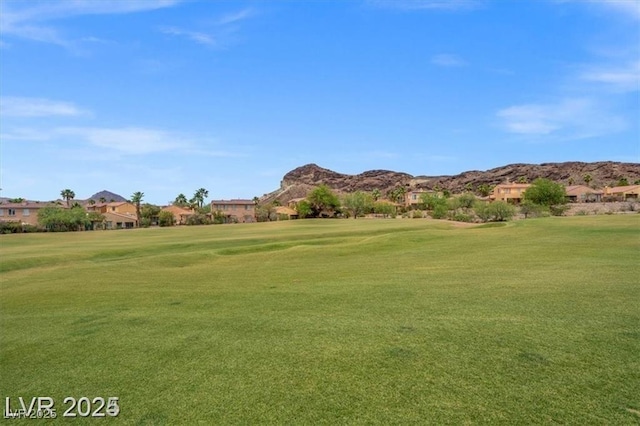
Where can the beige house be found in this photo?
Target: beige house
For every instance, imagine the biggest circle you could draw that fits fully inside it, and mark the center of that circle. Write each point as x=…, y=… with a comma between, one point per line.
x=180, y=214
x=122, y=207
x=509, y=192
x=242, y=211
x=583, y=194
x=119, y=220
x=623, y=192
x=25, y=212
x=413, y=198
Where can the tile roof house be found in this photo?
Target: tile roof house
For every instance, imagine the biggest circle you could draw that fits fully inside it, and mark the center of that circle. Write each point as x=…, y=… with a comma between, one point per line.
x=583, y=194
x=234, y=211
x=180, y=214
x=623, y=192
x=509, y=192
x=25, y=212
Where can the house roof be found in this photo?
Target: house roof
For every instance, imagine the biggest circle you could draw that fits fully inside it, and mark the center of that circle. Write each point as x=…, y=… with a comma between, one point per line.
x=581, y=189
x=286, y=210
x=31, y=205
x=233, y=202
x=626, y=188
x=178, y=210
x=119, y=216
x=513, y=185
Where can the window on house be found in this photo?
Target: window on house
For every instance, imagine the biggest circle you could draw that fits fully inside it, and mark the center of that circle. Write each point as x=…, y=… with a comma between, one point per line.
x=1, y=212
x=12, y=212
x=113, y=209
x=25, y=212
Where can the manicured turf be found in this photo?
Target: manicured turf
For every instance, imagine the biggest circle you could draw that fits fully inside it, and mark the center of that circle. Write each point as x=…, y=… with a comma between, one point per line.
x=331, y=322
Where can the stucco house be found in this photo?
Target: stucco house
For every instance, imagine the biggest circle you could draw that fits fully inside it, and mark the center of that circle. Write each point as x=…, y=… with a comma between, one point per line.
x=25, y=212
x=583, y=194
x=623, y=192
x=509, y=192
x=180, y=214
x=237, y=210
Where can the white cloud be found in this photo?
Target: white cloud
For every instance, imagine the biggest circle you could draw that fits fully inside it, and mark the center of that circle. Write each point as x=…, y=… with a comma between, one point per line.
x=28, y=19
x=629, y=8
x=198, y=37
x=11, y=106
x=127, y=140
x=448, y=60
x=570, y=118
x=447, y=5
x=237, y=16
x=622, y=78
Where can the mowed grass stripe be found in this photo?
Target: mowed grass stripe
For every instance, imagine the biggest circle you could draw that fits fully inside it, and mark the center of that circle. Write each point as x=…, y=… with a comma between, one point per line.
x=407, y=321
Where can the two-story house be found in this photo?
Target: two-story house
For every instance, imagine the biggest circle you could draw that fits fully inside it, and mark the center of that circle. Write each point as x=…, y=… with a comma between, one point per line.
x=242, y=211
x=25, y=212
x=509, y=192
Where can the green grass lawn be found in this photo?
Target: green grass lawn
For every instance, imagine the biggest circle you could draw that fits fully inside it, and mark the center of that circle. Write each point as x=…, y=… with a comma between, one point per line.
x=331, y=322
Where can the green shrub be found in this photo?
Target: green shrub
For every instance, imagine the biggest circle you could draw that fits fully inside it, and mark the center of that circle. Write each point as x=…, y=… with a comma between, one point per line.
x=558, y=210
x=462, y=217
x=439, y=211
x=145, y=222
x=417, y=214
x=166, y=218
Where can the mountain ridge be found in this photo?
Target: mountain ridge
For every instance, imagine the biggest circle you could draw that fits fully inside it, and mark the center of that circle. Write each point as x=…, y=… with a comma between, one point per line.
x=300, y=181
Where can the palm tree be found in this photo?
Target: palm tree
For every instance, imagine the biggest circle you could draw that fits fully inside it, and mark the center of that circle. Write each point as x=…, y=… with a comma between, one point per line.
x=136, y=198
x=68, y=194
x=102, y=200
x=180, y=200
x=200, y=195
x=587, y=178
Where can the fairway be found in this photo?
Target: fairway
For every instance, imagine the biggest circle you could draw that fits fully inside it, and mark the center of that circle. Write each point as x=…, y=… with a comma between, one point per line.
x=394, y=321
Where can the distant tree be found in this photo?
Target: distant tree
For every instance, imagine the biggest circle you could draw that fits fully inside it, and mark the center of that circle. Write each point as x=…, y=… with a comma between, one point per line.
x=430, y=201
x=522, y=179
x=57, y=219
x=304, y=209
x=358, y=203
x=468, y=187
x=497, y=211
x=546, y=192
x=199, y=197
x=501, y=211
x=68, y=195
x=266, y=212
x=623, y=182
x=180, y=201
x=587, y=178
x=397, y=194
x=149, y=213
x=16, y=200
x=323, y=201
x=385, y=209
x=571, y=181
x=91, y=201
x=484, y=190
x=467, y=200
x=102, y=200
x=165, y=218
x=376, y=194
x=136, y=199
x=636, y=182
x=529, y=208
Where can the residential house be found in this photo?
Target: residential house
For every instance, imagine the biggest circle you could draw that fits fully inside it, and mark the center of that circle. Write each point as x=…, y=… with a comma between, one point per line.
x=583, y=194
x=25, y=212
x=282, y=211
x=293, y=203
x=114, y=220
x=122, y=207
x=509, y=192
x=242, y=211
x=626, y=192
x=413, y=198
x=180, y=214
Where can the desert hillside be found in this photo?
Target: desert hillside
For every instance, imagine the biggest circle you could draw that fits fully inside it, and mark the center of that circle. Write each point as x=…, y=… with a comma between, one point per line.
x=298, y=182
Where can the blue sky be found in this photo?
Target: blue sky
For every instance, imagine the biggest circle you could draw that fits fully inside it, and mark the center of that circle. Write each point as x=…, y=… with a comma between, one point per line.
x=167, y=96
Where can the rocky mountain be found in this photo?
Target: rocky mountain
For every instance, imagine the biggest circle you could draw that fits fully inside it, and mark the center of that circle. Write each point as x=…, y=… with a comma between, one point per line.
x=107, y=195
x=298, y=182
